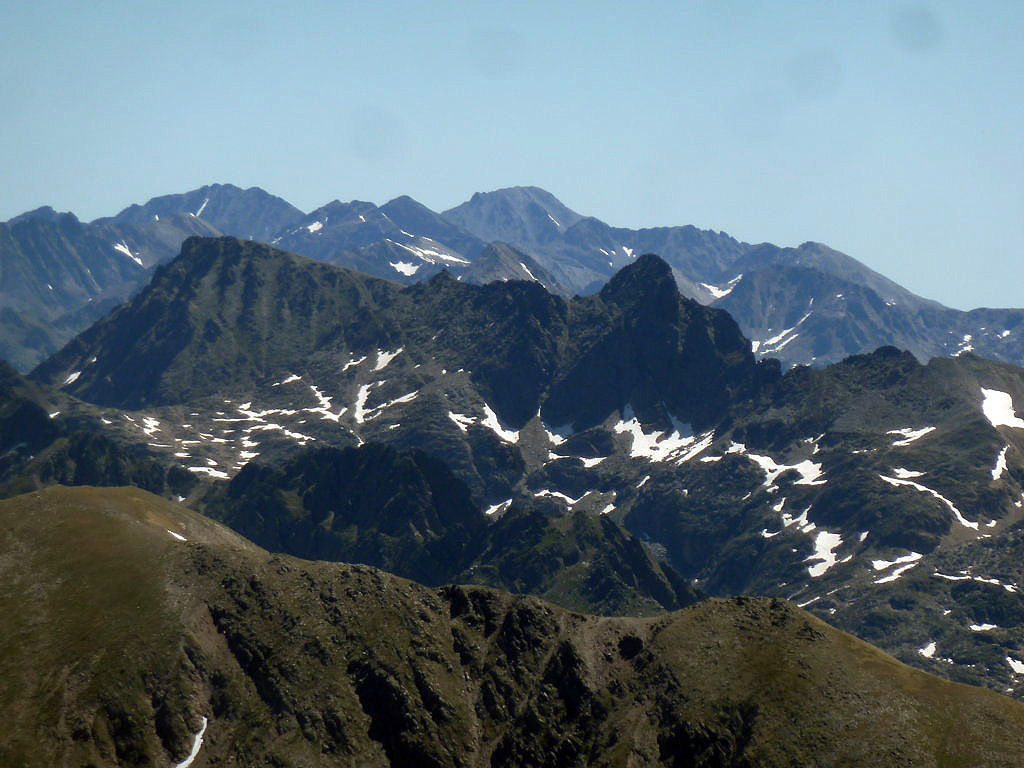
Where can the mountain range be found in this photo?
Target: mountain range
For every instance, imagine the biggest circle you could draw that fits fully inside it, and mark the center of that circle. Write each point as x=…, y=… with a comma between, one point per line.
x=804, y=305
x=241, y=460
x=620, y=452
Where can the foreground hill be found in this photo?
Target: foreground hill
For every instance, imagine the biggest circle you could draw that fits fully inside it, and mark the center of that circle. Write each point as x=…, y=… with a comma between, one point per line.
x=140, y=633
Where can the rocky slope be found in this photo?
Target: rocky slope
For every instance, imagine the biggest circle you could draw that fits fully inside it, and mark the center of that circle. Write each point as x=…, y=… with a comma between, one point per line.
x=43, y=443
x=177, y=640
x=58, y=275
x=407, y=513
x=635, y=404
x=404, y=511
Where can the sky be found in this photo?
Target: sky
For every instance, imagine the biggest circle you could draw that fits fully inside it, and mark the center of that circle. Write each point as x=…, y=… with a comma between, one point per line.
x=890, y=130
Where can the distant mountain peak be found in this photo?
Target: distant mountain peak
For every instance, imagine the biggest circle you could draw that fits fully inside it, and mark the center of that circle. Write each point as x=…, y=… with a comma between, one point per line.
x=527, y=217
x=250, y=213
x=45, y=213
x=522, y=195
x=403, y=200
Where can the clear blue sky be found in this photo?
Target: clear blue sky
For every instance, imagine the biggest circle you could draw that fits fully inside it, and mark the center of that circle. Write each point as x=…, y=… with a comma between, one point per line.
x=890, y=130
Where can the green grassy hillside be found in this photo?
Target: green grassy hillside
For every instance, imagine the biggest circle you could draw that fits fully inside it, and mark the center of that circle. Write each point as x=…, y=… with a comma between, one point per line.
x=120, y=638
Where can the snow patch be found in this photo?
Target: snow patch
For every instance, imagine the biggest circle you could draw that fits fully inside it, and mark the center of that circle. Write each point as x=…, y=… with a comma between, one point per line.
x=906, y=474
x=122, y=247
x=1000, y=467
x=406, y=268
x=928, y=651
x=1016, y=665
x=197, y=742
x=780, y=340
x=809, y=471
x=72, y=378
x=801, y=522
x=965, y=345
x=383, y=358
x=461, y=420
x=964, y=576
x=178, y=536
x=316, y=226
x=430, y=255
x=526, y=269
x=209, y=471
x=492, y=422
x=352, y=363
x=909, y=435
x=325, y=406
x=372, y=413
x=905, y=563
x=983, y=627
x=359, y=410
x=998, y=409
x=559, y=495
x=495, y=509
x=825, y=545
x=289, y=380
x=557, y=435
x=917, y=486
x=661, y=446
x=715, y=291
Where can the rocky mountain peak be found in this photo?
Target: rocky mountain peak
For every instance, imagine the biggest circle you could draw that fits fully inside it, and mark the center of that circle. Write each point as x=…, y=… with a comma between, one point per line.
x=648, y=279
x=45, y=213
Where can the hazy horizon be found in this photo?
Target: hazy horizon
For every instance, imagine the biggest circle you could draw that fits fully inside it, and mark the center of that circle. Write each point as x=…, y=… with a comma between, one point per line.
x=887, y=130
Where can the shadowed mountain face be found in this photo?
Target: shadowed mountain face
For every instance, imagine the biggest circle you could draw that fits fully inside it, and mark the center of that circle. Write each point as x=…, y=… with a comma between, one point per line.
x=407, y=513
x=194, y=642
x=228, y=313
x=404, y=512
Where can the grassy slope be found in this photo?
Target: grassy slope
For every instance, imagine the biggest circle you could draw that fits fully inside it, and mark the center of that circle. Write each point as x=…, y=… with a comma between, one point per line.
x=118, y=638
